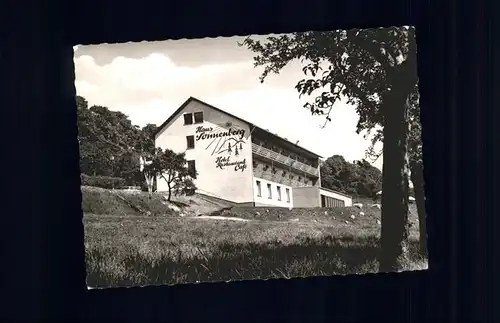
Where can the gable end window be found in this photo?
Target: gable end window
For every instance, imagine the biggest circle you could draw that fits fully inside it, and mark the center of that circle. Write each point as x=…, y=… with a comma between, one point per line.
x=188, y=118
x=198, y=117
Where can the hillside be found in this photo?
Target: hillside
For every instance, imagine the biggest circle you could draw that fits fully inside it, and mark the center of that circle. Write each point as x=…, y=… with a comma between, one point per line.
x=366, y=218
x=126, y=248
x=101, y=201
x=98, y=201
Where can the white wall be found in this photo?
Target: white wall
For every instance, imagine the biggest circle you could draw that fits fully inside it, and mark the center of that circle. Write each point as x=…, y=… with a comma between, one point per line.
x=311, y=196
x=231, y=182
x=307, y=197
x=339, y=196
x=264, y=200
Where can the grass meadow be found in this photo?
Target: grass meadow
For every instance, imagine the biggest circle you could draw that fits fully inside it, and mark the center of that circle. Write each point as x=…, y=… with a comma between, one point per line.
x=123, y=250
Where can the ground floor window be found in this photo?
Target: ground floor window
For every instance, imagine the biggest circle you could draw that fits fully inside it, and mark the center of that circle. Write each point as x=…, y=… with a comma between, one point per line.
x=259, y=189
x=191, y=168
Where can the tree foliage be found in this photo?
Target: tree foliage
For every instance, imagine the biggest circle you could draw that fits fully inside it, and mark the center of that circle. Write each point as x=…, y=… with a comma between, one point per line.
x=361, y=65
x=359, y=178
x=375, y=70
x=171, y=167
x=110, y=145
x=107, y=141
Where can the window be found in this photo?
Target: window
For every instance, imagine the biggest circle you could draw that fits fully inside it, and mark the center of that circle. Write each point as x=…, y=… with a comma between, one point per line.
x=287, y=192
x=259, y=189
x=278, y=190
x=190, y=142
x=188, y=118
x=192, y=168
x=269, y=191
x=327, y=201
x=198, y=117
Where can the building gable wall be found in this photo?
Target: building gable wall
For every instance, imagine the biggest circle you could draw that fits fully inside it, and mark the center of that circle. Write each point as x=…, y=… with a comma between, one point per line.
x=222, y=152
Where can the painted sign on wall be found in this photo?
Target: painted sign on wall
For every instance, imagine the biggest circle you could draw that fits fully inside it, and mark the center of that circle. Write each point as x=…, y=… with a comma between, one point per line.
x=224, y=143
x=223, y=162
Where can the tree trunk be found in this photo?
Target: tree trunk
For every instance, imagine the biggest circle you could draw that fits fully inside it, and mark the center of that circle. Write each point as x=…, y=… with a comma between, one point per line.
x=394, y=233
x=149, y=182
x=169, y=192
x=150, y=189
x=417, y=178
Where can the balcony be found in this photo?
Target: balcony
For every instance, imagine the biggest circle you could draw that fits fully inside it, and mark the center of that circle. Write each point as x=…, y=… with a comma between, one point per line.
x=284, y=160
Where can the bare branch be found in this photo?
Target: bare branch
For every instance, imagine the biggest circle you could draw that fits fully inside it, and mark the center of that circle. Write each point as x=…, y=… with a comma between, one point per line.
x=375, y=156
x=337, y=97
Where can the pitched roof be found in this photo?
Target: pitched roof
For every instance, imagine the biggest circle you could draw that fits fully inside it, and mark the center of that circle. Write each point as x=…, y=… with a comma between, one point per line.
x=190, y=99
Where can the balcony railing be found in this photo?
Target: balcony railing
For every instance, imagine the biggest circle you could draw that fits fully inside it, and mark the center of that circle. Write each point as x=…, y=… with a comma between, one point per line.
x=285, y=160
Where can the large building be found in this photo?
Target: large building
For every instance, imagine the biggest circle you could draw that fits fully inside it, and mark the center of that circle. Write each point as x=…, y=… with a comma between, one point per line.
x=237, y=161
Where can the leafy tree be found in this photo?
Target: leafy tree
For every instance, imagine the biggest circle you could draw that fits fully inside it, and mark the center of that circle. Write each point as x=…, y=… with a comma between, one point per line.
x=359, y=178
x=128, y=168
x=110, y=145
x=81, y=105
x=171, y=167
x=369, y=180
x=148, y=137
x=87, y=150
x=330, y=173
x=101, y=140
x=375, y=69
x=145, y=147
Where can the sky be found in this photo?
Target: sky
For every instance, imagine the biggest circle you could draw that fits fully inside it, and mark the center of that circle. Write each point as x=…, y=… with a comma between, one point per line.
x=148, y=81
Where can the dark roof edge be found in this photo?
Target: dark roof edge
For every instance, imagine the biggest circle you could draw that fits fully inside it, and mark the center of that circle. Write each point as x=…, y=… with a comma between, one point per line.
x=287, y=141
x=336, y=192
x=173, y=115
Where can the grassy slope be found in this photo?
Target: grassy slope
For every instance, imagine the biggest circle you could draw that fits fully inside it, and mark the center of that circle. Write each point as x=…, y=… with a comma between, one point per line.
x=125, y=250
x=108, y=202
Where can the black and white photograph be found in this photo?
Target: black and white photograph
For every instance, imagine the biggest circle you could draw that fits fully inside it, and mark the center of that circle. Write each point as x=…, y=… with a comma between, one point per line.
x=251, y=157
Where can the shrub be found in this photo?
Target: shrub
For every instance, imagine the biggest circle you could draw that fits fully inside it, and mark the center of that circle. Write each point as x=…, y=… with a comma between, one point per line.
x=103, y=181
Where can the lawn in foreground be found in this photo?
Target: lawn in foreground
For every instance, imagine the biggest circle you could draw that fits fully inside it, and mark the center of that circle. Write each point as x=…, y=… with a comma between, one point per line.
x=131, y=251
